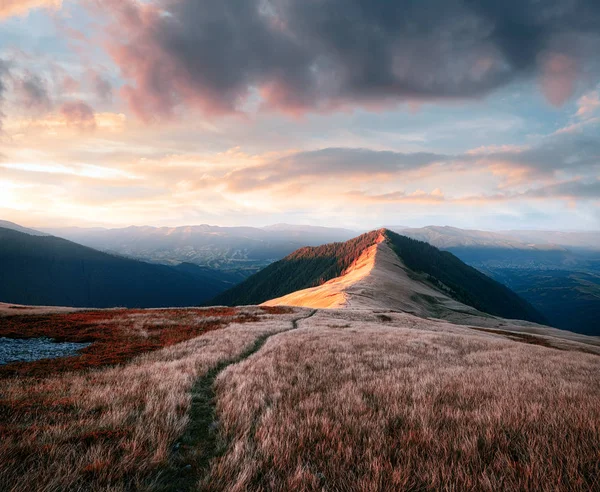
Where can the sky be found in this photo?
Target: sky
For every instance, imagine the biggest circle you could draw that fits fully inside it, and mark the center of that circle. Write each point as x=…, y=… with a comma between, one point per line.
x=348, y=113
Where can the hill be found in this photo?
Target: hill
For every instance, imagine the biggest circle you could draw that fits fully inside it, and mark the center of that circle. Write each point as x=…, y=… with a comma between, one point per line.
x=5, y=224
x=306, y=267
x=558, y=273
x=46, y=270
x=388, y=269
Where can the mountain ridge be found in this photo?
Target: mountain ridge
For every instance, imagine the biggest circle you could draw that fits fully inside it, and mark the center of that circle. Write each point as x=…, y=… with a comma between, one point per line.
x=320, y=277
x=46, y=270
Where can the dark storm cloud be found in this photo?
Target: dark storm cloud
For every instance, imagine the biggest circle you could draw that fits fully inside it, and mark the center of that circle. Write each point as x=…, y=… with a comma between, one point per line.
x=320, y=54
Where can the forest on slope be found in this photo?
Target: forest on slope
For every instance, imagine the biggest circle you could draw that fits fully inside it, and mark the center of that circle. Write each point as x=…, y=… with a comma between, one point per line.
x=304, y=268
x=46, y=270
x=461, y=281
x=309, y=267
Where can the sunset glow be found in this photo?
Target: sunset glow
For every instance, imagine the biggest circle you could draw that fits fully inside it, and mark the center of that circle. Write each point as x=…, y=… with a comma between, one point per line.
x=120, y=112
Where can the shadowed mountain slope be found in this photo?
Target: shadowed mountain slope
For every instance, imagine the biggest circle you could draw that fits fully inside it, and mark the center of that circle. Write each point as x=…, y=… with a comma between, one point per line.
x=46, y=270
x=558, y=273
x=5, y=224
x=306, y=267
x=380, y=269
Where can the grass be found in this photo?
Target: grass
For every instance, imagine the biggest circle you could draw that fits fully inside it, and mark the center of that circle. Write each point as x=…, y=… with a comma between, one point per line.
x=200, y=444
x=99, y=427
x=416, y=405
x=116, y=335
x=350, y=400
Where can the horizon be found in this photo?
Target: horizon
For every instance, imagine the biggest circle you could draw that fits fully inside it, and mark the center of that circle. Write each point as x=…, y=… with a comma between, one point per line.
x=299, y=245
x=264, y=226
x=118, y=113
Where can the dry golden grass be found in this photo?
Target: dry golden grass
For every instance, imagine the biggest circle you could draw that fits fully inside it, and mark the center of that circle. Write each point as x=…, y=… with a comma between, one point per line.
x=112, y=428
x=352, y=402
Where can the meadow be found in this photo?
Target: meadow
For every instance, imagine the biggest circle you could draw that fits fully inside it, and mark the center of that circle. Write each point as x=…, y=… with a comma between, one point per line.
x=108, y=419
x=257, y=398
x=395, y=403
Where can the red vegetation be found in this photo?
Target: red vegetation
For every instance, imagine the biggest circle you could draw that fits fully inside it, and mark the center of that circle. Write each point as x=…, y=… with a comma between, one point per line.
x=116, y=336
x=277, y=309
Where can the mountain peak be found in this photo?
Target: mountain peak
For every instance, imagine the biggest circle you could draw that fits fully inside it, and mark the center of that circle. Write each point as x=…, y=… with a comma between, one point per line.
x=380, y=270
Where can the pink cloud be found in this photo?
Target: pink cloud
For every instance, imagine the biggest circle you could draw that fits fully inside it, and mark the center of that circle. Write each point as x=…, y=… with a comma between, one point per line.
x=588, y=104
x=9, y=8
x=79, y=115
x=215, y=56
x=69, y=85
x=558, y=78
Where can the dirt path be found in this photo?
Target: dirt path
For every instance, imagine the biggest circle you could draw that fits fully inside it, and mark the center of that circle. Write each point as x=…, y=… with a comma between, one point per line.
x=200, y=443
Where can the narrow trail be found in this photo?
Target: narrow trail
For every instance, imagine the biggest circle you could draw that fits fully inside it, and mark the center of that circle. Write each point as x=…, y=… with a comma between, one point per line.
x=200, y=443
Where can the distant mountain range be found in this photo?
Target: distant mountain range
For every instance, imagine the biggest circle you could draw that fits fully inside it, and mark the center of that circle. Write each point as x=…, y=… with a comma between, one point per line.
x=558, y=273
x=420, y=279
x=46, y=270
x=452, y=237
x=243, y=250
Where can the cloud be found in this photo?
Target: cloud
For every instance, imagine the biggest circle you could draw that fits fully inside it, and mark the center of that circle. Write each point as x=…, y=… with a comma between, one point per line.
x=559, y=77
x=33, y=92
x=571, y=190
x=9, y=8
x=4, y=74
x=303, y=55
x=418, y=196
x=102, y=86
x=337, y=163
x=568, y=190
x=571, y=154
x=588, y=104
x=78, y=114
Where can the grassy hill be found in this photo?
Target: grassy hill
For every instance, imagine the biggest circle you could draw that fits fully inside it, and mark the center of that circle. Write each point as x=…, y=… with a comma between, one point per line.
x=309, y=267
x=466, y=284
x=304, y=268
x=46, y=270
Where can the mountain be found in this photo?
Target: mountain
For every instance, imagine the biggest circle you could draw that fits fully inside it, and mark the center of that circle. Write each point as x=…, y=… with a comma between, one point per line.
x=568, y=239
x=556, y=272
x=5, y=224
x=569, y=299
x=46, y=270
x=446, y=237
x=243, y=250
x=382, y=270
